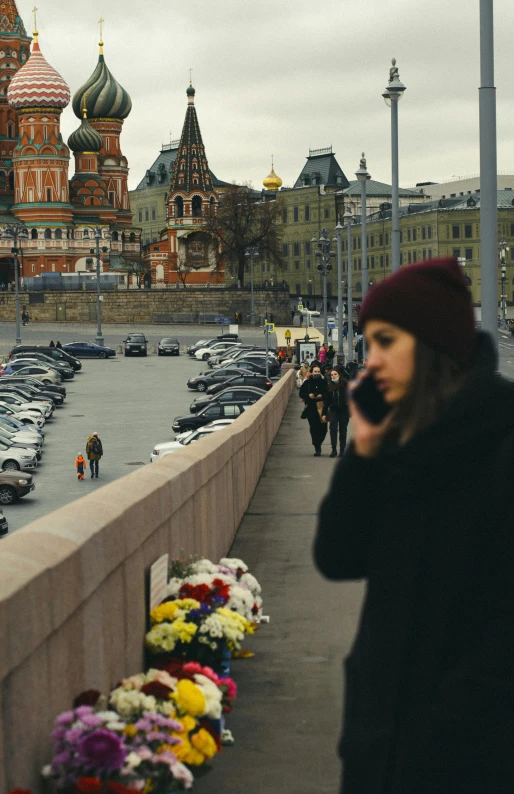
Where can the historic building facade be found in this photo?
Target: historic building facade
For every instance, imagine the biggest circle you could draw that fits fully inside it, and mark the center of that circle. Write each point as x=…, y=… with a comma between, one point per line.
x=35, y=188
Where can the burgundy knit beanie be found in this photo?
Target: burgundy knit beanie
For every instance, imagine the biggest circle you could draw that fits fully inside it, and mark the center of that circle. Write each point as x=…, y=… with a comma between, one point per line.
x=430, y=300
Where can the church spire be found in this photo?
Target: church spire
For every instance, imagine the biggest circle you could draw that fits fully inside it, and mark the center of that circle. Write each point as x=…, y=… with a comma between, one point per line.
x=10, y=20
x=191, y=170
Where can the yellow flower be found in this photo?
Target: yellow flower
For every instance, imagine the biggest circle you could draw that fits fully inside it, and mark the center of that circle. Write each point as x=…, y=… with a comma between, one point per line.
x=189, y=698
x=130, y=731
x=185, y=631
x=187, y=603
x=165, y=611
x=188, y=723
x=187, y=754
x=204, y=742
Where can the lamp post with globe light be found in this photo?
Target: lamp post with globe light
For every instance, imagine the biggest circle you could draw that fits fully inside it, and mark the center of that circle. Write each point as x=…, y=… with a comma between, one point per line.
x=251, y=252
x=392, y=95
x=15, y=232
x=324, y=256
x=348, y=218
x=503, y=250
x=340, y=347
x=97, y=233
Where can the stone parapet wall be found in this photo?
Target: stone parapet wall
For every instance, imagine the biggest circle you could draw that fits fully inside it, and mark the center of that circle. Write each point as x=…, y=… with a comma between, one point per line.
x=73, y=610
x=139, y=306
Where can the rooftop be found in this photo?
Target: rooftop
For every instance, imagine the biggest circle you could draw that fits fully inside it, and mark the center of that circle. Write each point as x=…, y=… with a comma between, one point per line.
x=380, y=189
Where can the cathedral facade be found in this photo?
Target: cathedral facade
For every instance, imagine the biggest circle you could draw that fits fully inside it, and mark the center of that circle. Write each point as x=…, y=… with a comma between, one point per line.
x=59, y=213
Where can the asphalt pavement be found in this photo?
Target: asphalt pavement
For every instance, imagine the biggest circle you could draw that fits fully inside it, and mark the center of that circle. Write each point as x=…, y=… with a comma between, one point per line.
x=131, y=402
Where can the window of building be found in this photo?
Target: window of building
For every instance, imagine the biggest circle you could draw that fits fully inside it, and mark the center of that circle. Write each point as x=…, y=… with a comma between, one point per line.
x=409, y=257
x=48, y=234
x=307, y=212
x=430, y=252
x=429, y=232
x=140, y=216
x=358, y=242
x=296, y=249
x=401, y=258
x=354, y=244
x=414, y=256
x=327, y=213
x=387, y=238
x=308, y=263
x=468, y=231
x=307, y=249
x=309, y=288
x=111, y=198
x=423, y=233
x=107, y=144
x=132, y=237
x=153, y=215
x=297, y=265
x=469, y=253
x=387, y=260
x=298, y=289
x=33, y=234
x=456, y=252
x=372, y=262
x=455, y=232
x=285, y=249
x=286, y=265
x=414, y=235
x=329, y=289
x=33, y=268
x=381, y=260
x=58, y=234
x=381, y=239
x=284, y=216
x=401, y=237
x=146, y=215
x=372, y=240
x=424, y=253
x=512, y=229
x=295, y=214
x=49, y=194
x=408, y=235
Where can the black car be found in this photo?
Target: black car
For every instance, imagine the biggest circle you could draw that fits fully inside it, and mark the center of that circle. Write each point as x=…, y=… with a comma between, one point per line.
x=24, y=394
x=48, y=388
x=55, y=353
x=135, y=344
x=205, y=379
x=36, y=392
x=39, y=359
x=259, y=364
x=240, y=394
x=168, y=347
x=250, y=379
x=183, y=424
x=89, y=350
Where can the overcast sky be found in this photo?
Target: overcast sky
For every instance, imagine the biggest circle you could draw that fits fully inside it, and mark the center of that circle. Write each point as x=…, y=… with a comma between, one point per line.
x=282, y=76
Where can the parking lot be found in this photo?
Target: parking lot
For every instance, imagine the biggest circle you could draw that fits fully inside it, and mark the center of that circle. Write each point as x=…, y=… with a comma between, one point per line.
x=131, y=402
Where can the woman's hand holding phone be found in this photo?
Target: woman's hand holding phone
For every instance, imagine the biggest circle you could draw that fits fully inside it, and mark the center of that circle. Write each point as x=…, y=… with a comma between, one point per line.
x=367, y=436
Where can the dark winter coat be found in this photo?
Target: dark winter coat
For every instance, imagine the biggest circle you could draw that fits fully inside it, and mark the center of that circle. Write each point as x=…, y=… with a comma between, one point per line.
x=429, y=705
x=317, y=386
x=89, y=448
x=335, y=398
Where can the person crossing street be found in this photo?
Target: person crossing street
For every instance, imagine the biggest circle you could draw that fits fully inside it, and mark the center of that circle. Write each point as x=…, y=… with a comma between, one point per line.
x=94, y=452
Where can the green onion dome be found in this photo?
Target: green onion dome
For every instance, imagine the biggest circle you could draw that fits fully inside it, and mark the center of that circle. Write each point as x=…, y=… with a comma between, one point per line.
x=105, y=97
x=85, y=139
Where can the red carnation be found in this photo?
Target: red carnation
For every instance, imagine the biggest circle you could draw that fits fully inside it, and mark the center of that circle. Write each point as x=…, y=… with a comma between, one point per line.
x=158, y=690
x=88, y=785
x=117, y=788
x=255, y=609
x=20, y=791
x=87, y=698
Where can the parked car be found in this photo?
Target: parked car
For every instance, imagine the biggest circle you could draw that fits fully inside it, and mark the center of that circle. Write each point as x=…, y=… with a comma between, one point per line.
x=14, y=485
x=168, y=347
x=249, y=379
x=44, y=374
x=66, y=370
x=89, y=350
x=9, y=421
x=161, y=450
x=49, y=388
x=4, y=527
x=28, y=417
x=9, y=398
x=33, y=391
x=55, y=353
x=205, y=379
x=207, y=342
x=135, y=344
x=25, y=437
x=230, y=354
x=208, y=414
x=204, y=353
x=243, y=394
x=25, y=395
x=13, y=443
x=16, y=458
x=256, y=365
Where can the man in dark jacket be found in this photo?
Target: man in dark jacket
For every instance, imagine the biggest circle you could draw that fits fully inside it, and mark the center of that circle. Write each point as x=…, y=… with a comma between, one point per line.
x=336, y=410
x=94, y=452
x=313, y=391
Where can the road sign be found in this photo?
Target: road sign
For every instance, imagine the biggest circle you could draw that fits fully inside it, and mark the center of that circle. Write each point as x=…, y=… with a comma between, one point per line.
x=270, y=328
x=300, y=307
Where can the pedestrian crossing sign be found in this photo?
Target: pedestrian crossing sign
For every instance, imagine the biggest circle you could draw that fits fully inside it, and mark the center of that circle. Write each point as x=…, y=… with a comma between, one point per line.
x=270, y=328
x=300, y=307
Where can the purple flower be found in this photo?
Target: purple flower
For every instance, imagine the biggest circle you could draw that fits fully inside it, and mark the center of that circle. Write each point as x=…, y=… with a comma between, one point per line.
x=65, y=718
x=74, y=735
x=58, y=733
x=143, y=725
x=63, y=758
x=102, y=751
x=83, y=711
x=91, y=721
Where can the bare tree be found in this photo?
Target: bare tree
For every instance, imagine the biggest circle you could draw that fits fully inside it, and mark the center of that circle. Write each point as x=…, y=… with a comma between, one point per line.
x=244, y=221
x=183, y=267
x=132, y=267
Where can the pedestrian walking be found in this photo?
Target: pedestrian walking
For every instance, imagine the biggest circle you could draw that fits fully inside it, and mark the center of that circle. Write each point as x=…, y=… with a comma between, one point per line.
x=322, y=354
x=427, y=522
x=287, y=337
x=80, y=465
x=336, y=411
x=52, y=343
x=58, y=344
x=312, y=392
x=25, y=317
x=94, y=452
x=330, y=355
x=289, y=353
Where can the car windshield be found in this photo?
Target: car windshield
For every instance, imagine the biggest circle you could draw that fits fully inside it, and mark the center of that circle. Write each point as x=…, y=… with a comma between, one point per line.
x=136, y=338
x=167, y=341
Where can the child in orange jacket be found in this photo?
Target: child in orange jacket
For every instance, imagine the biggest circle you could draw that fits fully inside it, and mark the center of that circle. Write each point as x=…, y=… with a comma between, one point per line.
x=80, y=465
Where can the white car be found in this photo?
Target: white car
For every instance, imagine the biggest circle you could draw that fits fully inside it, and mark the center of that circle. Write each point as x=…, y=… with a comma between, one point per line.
x=204, y=353
x=44, y=409
x=16, y=458
x=27, y=417
x=161, y=450
x=21, y=438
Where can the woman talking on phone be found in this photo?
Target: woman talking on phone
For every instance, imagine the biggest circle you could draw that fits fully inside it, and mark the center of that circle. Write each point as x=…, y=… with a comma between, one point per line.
x=428, y=522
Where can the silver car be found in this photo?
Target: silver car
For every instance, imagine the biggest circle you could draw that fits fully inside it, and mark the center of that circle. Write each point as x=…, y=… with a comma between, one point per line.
x=41, y=372
x=16, y=458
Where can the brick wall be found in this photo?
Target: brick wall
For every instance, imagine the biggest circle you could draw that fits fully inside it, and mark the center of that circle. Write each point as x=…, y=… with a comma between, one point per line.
x=138, y=306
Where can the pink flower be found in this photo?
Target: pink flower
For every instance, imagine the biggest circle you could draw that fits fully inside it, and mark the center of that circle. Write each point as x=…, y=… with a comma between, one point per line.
x=65, y=718
x=231, y=686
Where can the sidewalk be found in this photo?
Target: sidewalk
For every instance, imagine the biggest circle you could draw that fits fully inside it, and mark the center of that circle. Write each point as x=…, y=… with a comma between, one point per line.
x=287, y=717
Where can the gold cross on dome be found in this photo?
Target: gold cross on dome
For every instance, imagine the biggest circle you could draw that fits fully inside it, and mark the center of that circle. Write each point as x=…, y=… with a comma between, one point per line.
x=34, y=11
x=101, y=23
x=190, y=77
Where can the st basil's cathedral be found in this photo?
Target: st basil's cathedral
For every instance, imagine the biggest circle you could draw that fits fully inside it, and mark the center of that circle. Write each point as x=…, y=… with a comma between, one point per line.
x=35, y=188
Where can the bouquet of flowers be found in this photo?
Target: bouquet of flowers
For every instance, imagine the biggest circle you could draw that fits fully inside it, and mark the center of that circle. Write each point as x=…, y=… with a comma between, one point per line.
x=198, y=631
x=96, y=751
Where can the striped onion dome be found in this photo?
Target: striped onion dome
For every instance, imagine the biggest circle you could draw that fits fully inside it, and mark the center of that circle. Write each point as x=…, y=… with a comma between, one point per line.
x=37, y=85
x=105, y=97
x=85, y=139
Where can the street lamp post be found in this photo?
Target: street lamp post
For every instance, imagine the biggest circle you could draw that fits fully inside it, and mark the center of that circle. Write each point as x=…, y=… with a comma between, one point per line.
x=363, y=176
x=348, y=217
x=340, y=347
x=97, y=234
x=15, y=232
x=392, y=96
x=324, y=255
x=252, y=251
x=503, y=250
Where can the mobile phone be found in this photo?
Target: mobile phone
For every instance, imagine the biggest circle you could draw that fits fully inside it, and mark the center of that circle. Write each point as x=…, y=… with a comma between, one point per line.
x=370, y=401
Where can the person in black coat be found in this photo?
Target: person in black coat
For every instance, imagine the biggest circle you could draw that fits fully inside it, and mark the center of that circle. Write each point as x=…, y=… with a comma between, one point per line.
x=313, y=391
x=336, y=410
x=428, y=522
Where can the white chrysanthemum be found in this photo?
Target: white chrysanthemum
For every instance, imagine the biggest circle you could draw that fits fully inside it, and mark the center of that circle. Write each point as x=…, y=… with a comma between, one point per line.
x=174, y=586
x=241, y=601
x=251, y=583
x=204, y=566
x=131, y=704
x=212, y=695
x=233, y=563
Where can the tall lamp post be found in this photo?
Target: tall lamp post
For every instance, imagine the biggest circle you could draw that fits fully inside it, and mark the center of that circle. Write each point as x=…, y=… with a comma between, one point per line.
x=340, y=347
x=348, y=217
x=97, y=234
x=363, y=176
x=251, y=252
x=392, y=96
x=324, y=255
x=503, y=250
x=15, y=232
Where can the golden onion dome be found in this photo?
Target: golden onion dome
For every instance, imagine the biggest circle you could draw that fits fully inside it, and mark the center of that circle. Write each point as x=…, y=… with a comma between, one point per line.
x=272, y=181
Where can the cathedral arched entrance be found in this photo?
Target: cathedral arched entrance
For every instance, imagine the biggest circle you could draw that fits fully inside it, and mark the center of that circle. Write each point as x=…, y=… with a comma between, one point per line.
x=6, y=271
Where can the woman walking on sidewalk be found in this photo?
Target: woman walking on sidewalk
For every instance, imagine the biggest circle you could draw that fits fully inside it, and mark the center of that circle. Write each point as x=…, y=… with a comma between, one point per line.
x=428, y=522
x=313, y=391
x=336, y=411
